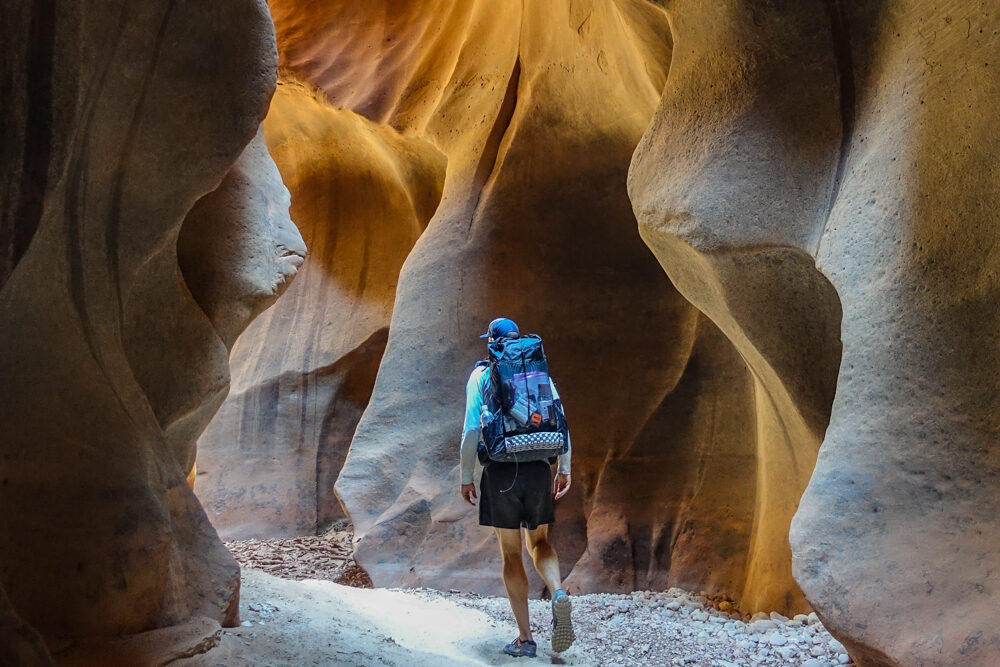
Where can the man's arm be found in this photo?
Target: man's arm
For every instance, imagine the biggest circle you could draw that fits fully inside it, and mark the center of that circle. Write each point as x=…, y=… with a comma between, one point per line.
x=561, y=483
x=470, y=433
x=566, y=459
x=470, y=440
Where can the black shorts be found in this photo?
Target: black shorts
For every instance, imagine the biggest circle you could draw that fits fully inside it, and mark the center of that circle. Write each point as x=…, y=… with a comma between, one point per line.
x=512, y=495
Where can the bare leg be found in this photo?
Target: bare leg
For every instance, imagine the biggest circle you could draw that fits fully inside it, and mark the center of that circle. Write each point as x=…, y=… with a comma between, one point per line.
x=544, y=557
x=547, y=564
x=514, y=578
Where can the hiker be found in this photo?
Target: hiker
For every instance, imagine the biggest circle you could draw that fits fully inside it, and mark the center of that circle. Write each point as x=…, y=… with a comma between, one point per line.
x=514, y=423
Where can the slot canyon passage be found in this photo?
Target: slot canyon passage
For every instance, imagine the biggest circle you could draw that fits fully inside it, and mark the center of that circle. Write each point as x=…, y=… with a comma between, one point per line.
x=249, y=248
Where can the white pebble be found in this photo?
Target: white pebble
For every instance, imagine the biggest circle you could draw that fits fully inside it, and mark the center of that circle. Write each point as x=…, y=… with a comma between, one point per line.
x=836, y=646
x=816, y=651
x=813, y=662
x=776, y=639
x=786, y=652
x=762, y=626
x=813, y=618
x=843, y=658
x=778, y=618
x=699, y=616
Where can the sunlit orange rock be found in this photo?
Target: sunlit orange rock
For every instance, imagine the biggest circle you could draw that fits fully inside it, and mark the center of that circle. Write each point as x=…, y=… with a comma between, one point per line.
x=538, y=113
x=303, y=372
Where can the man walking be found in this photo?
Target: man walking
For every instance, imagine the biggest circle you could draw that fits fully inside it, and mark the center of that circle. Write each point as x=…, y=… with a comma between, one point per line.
x=515, y=495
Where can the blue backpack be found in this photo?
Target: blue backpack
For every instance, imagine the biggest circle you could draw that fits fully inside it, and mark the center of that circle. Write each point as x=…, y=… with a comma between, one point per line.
x=522, y=420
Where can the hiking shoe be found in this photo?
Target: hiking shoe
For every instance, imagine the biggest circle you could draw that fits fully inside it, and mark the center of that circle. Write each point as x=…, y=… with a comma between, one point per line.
x=562, y=626
x=520, y=649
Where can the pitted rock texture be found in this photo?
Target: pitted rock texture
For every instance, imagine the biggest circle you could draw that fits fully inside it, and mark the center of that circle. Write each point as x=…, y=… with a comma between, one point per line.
x=825, y=181
x=303, y=372
x=124, y=115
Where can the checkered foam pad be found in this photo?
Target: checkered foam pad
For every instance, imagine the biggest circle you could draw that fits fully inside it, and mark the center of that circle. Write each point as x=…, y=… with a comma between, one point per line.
x=533, y=441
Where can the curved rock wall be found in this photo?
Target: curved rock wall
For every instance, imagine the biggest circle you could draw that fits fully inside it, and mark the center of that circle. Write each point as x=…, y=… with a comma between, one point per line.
x=841, y=159
x=124, y=116
x=728, y=185
x=819, y=180
x=551, y=243
x=655, y=392
x=904, y=496
x=538, y=241
x=303, y=372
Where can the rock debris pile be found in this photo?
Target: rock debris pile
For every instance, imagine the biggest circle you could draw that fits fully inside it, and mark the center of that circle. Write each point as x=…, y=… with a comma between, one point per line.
x=326, y=557
x=677, y=628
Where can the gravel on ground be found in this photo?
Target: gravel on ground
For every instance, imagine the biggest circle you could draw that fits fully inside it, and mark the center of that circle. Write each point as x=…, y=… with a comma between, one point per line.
x=404, y=626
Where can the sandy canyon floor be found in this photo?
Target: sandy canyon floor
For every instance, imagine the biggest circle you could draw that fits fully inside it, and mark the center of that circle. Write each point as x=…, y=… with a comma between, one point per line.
x=294, y=613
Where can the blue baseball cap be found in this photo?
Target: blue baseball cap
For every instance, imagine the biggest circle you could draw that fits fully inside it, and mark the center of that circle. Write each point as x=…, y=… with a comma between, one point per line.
x=501, y=327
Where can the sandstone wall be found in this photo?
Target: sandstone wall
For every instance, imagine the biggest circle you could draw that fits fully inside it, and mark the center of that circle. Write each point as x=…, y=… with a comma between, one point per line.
x=538, y=110
x=541, y=241
x=123, y=116
x=842, y=160
x=303, y=372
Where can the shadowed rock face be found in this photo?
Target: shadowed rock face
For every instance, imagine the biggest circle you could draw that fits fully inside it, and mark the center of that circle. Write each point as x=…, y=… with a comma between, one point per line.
x=124, y=115
x=20, y=644
x=825, y=171
x=303, y=372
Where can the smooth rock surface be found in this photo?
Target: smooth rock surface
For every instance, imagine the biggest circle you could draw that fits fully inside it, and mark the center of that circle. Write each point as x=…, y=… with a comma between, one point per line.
x=303, y=372
x=124, y=115
x=835, y=183
x=550, y=242
x=538, y=128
